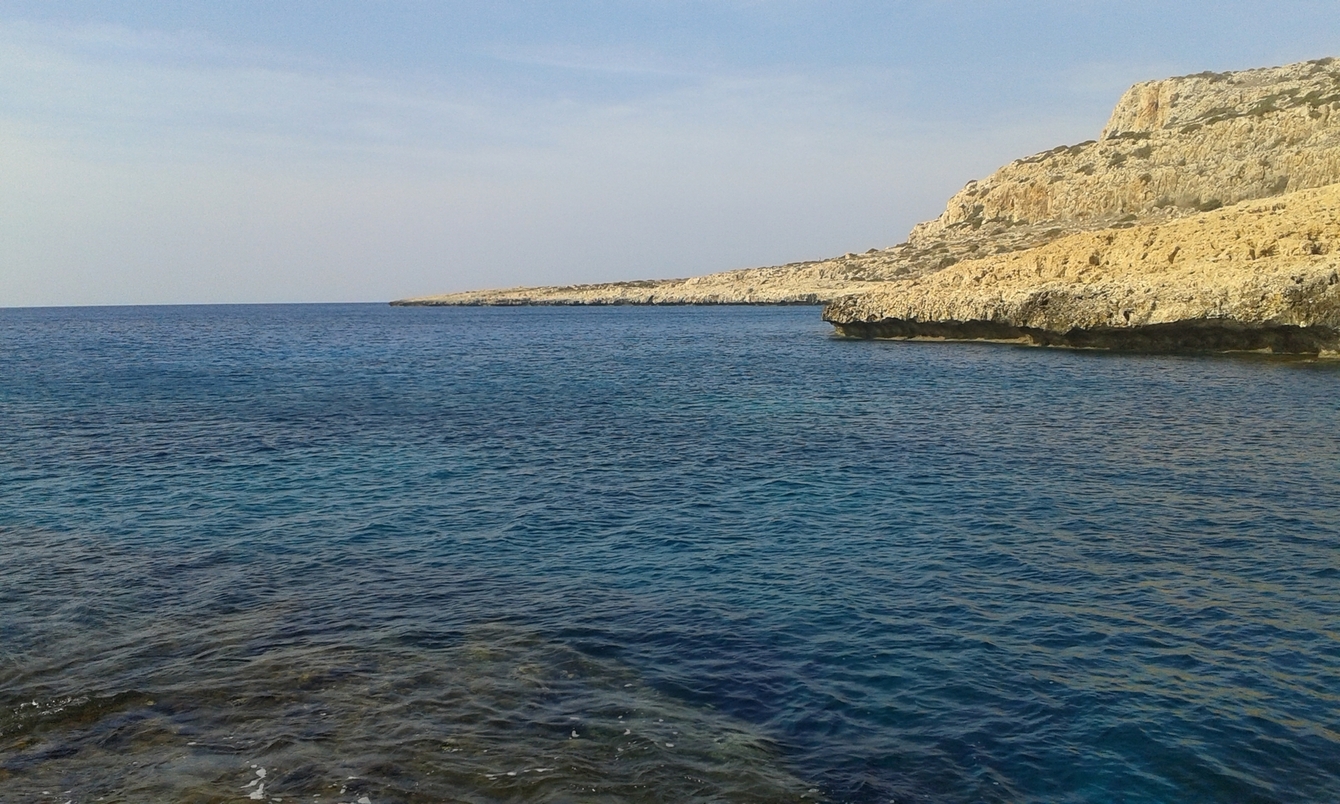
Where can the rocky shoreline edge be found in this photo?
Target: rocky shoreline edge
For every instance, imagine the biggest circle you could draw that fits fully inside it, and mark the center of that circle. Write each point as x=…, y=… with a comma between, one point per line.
x=810, y=300
x=1224, y=335
x=1205, y=218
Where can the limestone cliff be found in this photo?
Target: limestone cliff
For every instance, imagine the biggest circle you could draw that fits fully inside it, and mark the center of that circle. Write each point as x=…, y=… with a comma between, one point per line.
x=1261, y=275
x=1171, y=148
x=1011, y=254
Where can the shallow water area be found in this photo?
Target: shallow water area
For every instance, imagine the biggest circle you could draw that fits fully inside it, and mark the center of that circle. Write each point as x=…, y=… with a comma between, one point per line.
x=335, y=552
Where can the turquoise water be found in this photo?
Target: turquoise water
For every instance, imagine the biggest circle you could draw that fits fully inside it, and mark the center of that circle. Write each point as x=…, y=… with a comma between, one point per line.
x=332, y=553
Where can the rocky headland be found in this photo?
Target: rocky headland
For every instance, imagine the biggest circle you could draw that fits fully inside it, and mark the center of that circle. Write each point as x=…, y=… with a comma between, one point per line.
x=1260, y=275
x=1203, y=217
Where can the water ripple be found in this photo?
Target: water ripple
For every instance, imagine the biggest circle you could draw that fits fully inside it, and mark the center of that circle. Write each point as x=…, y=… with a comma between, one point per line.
x=354, y=552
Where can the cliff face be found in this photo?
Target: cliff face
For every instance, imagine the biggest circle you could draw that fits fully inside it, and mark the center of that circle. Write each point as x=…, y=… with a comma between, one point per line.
x=1171, y=148
x=1203, y=218
x=1258, y=275
x=1159, y=234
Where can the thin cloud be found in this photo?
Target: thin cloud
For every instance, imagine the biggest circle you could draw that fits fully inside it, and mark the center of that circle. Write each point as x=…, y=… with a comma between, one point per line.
x=137, y=172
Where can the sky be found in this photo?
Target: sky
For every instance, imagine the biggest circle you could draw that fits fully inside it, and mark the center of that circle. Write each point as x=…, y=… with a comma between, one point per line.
x=238, y=151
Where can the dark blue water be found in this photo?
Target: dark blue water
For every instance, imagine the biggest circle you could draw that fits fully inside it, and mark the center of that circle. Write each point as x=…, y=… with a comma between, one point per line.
x=331, y=553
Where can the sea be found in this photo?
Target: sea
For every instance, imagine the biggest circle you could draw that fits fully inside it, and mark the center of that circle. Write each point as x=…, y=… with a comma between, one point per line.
x=362, y=553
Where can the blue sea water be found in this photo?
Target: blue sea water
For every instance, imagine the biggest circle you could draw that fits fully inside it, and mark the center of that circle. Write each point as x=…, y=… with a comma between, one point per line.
x=339, y=553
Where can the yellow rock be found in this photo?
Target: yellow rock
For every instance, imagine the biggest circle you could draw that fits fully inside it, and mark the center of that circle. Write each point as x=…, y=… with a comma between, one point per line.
x=1204, y=216
x=1256, y=275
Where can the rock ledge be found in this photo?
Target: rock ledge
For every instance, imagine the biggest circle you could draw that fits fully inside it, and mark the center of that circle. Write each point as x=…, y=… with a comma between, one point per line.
x=1259, y=275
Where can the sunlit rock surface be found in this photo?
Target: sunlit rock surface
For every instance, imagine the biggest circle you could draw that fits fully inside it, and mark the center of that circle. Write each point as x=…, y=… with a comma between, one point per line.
x=1260, y=275
x=1072, y=246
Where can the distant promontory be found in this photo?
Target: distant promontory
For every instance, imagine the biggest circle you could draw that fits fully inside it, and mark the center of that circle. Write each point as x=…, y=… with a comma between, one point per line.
x=1206, y=216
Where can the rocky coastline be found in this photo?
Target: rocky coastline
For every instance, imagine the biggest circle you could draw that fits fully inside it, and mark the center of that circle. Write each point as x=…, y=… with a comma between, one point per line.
x=1203, y=218
x=1260, y=275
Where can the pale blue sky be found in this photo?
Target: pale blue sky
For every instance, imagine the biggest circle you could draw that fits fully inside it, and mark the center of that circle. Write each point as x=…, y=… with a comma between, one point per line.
x=322, y=151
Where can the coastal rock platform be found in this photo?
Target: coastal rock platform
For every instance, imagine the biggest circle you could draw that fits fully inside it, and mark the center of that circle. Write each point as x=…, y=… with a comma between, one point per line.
x=1259, y=275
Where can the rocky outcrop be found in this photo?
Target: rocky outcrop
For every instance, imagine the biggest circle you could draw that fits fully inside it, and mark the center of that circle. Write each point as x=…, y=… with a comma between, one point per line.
x=1156, y=234
x=798, y=283
x=1171, y=148
x=1260, y=275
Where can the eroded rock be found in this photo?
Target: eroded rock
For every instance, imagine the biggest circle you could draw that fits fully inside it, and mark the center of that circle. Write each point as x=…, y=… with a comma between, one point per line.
x=1256, y=275
x=1202, y=217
